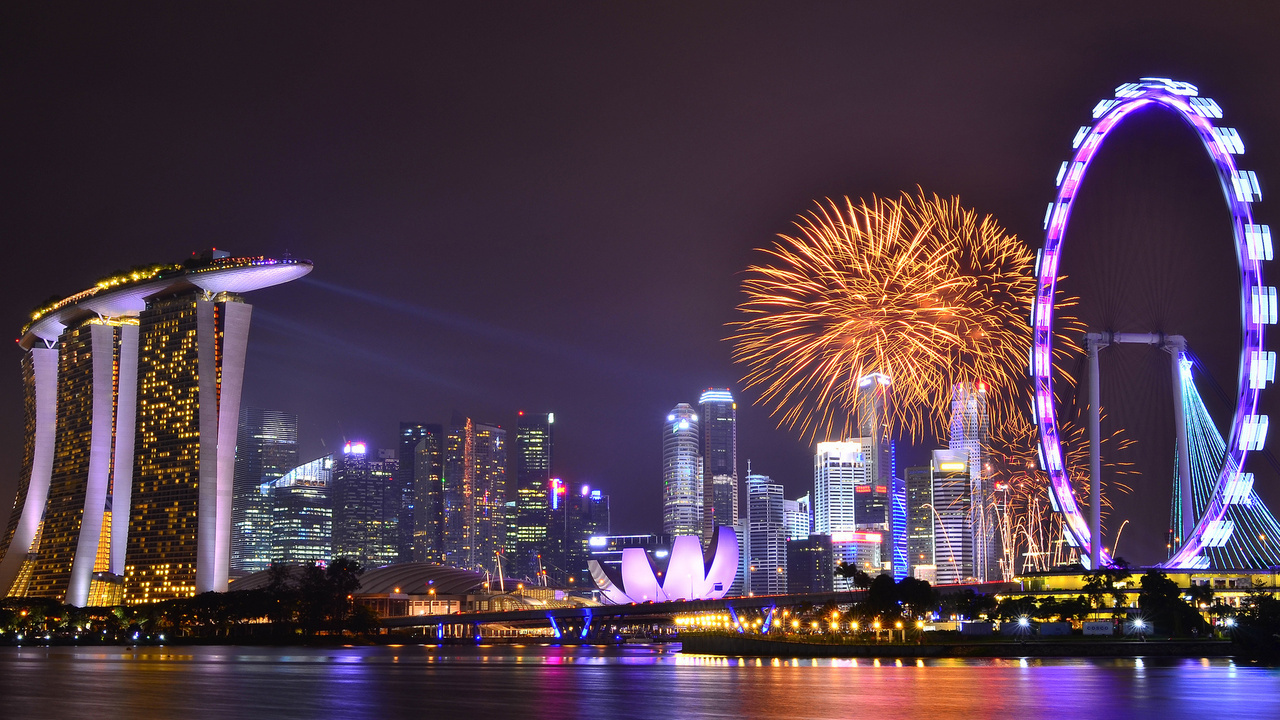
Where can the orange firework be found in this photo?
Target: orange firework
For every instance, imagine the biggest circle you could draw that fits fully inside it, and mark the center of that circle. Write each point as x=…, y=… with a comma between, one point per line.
x=918, y=288
x=1031, y=534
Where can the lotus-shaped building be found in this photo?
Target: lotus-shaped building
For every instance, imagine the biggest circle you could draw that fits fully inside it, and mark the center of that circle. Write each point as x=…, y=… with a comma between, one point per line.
x=687, y=573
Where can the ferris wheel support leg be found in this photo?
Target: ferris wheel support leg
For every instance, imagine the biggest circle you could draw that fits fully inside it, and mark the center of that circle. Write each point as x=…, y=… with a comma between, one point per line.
x=1093, y=343
x=1177, y=345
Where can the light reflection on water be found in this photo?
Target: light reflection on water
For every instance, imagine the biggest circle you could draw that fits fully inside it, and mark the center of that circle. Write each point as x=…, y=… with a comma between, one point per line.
x=638, y=681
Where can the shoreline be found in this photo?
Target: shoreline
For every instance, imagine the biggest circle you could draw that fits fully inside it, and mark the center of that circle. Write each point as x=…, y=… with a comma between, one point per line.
x=760, y=647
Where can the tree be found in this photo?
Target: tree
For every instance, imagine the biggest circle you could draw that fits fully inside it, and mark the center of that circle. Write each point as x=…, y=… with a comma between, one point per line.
x=1161, y=602
x=860, y=579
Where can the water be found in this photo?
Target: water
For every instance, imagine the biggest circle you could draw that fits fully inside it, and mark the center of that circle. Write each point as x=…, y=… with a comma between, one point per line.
x=630, y=682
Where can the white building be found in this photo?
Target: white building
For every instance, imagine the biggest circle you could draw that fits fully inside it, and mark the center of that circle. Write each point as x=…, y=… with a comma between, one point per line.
x=767, y=536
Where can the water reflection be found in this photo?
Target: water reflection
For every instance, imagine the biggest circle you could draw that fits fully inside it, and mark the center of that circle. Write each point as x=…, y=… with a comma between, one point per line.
x=628, y=682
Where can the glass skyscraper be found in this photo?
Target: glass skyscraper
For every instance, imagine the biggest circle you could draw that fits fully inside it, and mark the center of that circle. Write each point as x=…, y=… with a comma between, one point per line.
x=302, y=513
x=475, y=459
x=839, y=469
x=718, y=426
x=266, y=449
x=529, y=540
x=682, y=489
x=365, y=497
x=971, y=435
x=953, y=533
x=767, y=536
x=422, y=448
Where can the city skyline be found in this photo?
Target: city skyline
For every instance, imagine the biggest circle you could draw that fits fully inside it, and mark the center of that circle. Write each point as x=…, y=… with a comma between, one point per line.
x=473, y=257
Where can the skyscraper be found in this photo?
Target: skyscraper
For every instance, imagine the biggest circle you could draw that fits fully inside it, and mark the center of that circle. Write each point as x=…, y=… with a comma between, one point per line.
x=302, y=513
x=798, y=517
x=767, y=536
x=427, y=458
x=475, y=460
x=719, y=434
x=682, y=490
x=411, y=433
x=839, y=468
x=810, y=566
x=530, y=540
x=129, y=386
x=490, y=494
x=919, y=483
x=266, y=449
x=365, y=502
x=952, y=516
x=873, y=427
x=585, y=515
x=970, y=434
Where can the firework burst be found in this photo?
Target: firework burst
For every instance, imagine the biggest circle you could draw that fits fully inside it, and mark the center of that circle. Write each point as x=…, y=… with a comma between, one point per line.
x=1032, y=535
x=917, y=288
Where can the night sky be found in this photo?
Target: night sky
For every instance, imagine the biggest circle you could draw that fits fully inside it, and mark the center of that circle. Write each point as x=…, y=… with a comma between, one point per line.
x=549, y=207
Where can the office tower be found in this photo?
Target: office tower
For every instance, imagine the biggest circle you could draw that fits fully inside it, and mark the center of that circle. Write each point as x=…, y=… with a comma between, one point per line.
x=873, y=427
x=839, y=468
x=365, y=505
x=766, y=536
x=870, y=507
x=809, y=565
x=682, y=492
x=302, y=513
x=530, y=541
x=799, y=517
x=861, y=549
x=129, y=385
x=919, y=486
x=475, y=493
x=427, y=459
x=266, y=449
x=897, y=543
x=490, y=494
x=411, y=433
x=952, y=516
x=799, y=514
x=586, y=515
x=970, y=433
x=718, y=427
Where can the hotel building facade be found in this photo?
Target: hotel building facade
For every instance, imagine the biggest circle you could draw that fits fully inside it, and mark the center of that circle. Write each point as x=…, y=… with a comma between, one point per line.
x=132, y=400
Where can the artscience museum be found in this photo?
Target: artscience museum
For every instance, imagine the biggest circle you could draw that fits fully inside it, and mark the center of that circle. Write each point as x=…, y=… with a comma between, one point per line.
x=686, y=573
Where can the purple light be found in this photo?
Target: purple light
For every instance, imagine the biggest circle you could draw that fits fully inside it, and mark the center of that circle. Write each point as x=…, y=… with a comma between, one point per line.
x=1240, y=189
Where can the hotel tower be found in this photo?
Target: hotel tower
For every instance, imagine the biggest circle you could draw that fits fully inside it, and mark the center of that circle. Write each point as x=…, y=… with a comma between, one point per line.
x=132, y=399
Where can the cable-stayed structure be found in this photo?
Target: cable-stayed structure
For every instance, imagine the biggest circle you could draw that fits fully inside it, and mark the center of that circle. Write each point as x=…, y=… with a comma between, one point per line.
x=1249, y=534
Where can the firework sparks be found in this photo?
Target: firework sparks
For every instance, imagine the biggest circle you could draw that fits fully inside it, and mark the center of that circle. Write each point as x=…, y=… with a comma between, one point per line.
x=918, y=288
x=1032, y=535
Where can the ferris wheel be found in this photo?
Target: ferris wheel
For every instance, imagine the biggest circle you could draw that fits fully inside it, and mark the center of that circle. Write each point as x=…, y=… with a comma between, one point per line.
x=1258, y=308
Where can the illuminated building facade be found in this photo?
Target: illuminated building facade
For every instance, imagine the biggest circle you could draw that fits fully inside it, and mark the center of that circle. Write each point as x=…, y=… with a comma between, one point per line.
x=302, y=513
x=366, y=503
x=718, y=432
x=490, y=495
x=919, y=481
x=266, y=449
x=686, y=573
x=799, y=517
x=861, y=549
x=682, y=489
x=422, y=448
x=839, y=469
x=130, y=385
x=475, y=460
x=586, y=515
x=530, y=543
x=766, y=536
x=953, y=534
x=971, y=434
x=407, y=514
